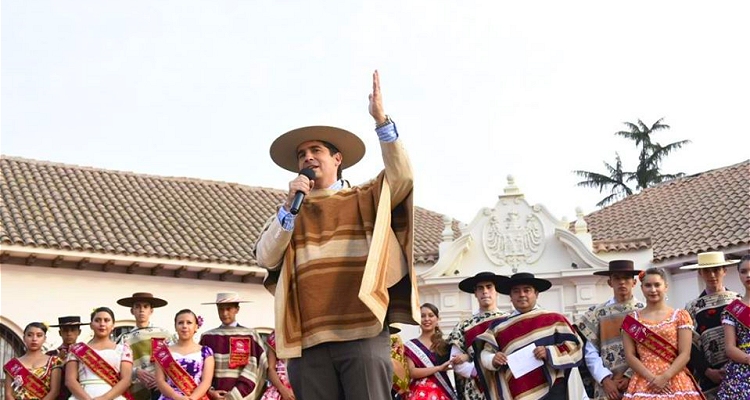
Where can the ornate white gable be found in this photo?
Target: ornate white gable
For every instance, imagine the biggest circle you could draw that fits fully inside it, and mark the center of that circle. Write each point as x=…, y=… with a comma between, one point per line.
x=514, y=236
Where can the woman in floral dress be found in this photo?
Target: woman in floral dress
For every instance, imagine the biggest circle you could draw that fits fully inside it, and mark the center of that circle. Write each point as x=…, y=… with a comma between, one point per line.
x=654, y=377
x=280, y=388
x=45, y=368
x=736, y=383
x=428, y=358
x=196, y=360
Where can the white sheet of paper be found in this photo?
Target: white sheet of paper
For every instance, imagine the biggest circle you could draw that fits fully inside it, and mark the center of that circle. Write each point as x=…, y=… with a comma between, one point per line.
x=522, y=361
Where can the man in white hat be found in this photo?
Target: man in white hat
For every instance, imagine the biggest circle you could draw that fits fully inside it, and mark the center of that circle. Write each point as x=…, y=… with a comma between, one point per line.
x=341, y=269
x=484, y=287
x=600, y=325
x=240, y=364
x=142, y=306
x=708, y=356
x=549, y=335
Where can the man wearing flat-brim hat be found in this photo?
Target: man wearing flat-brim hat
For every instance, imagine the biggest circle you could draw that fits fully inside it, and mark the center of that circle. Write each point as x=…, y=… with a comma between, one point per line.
x=483, y=286
x=240, y=363
x=142, y=305
x=70, y=329
x=340, y=262
x=600, y=326
x=708, y=357
x=553, y=340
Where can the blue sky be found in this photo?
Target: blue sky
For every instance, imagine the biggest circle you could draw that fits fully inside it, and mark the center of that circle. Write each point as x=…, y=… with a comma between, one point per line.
x=479, y=90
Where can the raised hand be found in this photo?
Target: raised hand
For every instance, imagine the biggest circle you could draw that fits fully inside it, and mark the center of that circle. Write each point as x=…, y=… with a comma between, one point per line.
x=376, y=100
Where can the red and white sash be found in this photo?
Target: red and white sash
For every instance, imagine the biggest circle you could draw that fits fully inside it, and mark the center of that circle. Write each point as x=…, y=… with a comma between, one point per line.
x=91, y=359
x=172, y=369
x=641, y=334
x=26, y=378
x=741, y=311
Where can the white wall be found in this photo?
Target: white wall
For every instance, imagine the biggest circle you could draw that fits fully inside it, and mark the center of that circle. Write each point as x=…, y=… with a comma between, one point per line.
x=43, y=294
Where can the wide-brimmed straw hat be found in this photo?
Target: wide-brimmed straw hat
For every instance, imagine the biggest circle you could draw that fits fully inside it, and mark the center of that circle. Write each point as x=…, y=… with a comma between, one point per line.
x=284, y=148
x=710, y=259
x=523, y=278
x=469, y=285
x=228, y=298
x=70, y=320
x=619, y=267
x=142, y=297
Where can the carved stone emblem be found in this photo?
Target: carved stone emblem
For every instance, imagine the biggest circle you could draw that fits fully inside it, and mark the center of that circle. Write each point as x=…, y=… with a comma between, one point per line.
x=514, y=240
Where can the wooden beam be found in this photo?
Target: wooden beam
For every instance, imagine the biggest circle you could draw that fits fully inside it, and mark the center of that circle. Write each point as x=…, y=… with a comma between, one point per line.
x=108, y=266
x=132, y=267
x=83, y=263
x=224, y=275
x=202, y=274
x=4, y=257
x=56, y=262
x=155, y=270
x=31, y=259
x=180, y=271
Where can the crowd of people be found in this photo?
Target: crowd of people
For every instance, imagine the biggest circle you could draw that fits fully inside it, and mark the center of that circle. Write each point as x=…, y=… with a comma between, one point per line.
x=340, y=269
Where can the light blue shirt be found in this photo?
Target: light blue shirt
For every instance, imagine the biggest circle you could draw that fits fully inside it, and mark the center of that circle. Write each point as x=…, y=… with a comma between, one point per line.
x=387, y=134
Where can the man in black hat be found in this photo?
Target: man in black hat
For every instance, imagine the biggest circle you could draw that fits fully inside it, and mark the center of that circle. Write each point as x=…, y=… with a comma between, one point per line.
x=70, y=329
x=552, y=339
x=484, y=287
x=340, y=262
x=139, y=339
x=600, y=326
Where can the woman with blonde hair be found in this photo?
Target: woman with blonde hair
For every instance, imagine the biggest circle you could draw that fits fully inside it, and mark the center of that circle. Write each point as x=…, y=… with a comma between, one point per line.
x=35, y=375
x=428, y=357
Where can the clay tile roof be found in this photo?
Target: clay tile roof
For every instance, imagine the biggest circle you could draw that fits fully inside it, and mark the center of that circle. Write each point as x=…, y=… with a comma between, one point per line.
x=68, y=207
x=698, y=213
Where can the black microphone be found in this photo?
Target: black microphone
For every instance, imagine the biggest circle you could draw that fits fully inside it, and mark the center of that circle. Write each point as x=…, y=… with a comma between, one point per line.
x=299, y=196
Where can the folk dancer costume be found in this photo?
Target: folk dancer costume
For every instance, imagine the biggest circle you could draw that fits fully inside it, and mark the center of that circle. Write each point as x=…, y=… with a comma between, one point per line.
x=655, y=343
x=708, y=332
x=434, y=387
x=600, y=327
x=183, y=372
x=342, y=269
x=31, y=384
x=736, y=383
x=240, y=364
x=140, y=341
x=564, y=349
x=62, y=351
x=272, y=393
x=99, y=370
x=462, y=338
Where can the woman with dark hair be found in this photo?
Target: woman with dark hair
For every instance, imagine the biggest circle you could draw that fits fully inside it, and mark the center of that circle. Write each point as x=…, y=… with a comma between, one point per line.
x=657, y=342
x=99, y=369
x=736, y=321
x=428, y=357
x=184, y=370
x=34, y=375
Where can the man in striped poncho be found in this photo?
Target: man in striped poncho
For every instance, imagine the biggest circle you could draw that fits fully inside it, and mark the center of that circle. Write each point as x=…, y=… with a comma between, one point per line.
x=554, y=344
x=341, y=270
x=240, y=363
x=142, y=306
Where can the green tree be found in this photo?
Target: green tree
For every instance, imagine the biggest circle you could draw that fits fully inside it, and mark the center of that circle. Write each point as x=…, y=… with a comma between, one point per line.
x=614, y=182
x=648, y=171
